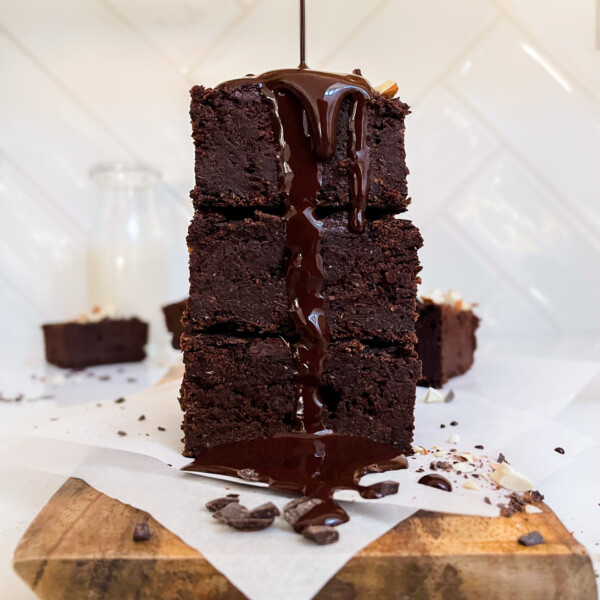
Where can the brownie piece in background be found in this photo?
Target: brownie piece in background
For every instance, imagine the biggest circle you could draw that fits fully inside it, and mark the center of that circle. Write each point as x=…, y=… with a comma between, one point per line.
x=76, y=345
x=446, y=337
x=236, y=153
x=173, y=315
x=243, y=388
x=237, y=276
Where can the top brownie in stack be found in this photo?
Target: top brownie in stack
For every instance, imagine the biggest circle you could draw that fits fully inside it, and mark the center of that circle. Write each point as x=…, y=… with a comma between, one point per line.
x=239, y=339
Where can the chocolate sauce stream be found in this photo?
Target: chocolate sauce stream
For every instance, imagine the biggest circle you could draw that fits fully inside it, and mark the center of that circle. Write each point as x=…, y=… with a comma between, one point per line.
x=302, y=34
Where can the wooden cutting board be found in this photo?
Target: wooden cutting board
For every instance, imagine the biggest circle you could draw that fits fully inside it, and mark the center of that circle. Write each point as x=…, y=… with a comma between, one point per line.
x=80, y=547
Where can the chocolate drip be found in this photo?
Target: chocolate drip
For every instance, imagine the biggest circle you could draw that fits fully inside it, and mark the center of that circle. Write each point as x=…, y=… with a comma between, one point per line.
x=306, y=106
x=307, y=464
x=436, y=481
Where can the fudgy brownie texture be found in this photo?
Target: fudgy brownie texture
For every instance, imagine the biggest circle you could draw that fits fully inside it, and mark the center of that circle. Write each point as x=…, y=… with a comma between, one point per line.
x=243, y=388
x=79, y=345
x=173, y=315
x=236, y=153
x=446, y=342
x=237, y=277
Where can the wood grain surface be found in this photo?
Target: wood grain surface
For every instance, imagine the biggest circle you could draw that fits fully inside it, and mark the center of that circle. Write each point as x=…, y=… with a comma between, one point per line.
x=80, y=547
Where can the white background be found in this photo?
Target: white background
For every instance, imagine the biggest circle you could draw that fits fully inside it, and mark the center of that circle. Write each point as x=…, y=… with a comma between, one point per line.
x=503, y=143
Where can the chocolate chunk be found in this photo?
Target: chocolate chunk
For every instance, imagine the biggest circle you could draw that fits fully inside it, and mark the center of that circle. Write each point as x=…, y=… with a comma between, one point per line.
x=449, y=396
x=487, y=500
x=161, y=428
x=297, y=508
x=219, y=503
x=265, y=511
x=533, y=538
x=142, y=418
x=454, y=423
x=502, y=458
x=379, y=490
x=119, y=400
x=322, y=534
x=237, y=516
x=122, y=433
x=249, y=474
x=442, y=426
x=559, y=450
x=479, y=447
x=141, y=532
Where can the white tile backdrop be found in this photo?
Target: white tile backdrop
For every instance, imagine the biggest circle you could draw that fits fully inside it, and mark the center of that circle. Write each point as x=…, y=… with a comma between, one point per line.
x=503, y=143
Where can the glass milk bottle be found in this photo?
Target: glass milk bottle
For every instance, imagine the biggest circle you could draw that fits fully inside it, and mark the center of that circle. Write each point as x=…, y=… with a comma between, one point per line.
x=127, y=252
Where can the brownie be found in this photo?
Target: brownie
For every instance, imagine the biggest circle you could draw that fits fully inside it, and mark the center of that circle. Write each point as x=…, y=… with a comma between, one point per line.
x=237, y=277
x=78, y=345
x=173, y=315
x=446, y=341
x=243, y=388
x=236, y=153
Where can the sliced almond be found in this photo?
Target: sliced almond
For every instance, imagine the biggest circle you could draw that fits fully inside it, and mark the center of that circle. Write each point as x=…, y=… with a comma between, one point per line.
x=388, y=89
x=471, y=485
x=508, y=477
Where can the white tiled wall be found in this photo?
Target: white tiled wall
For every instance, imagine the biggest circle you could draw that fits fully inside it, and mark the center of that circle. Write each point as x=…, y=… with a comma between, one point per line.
x=503, y=143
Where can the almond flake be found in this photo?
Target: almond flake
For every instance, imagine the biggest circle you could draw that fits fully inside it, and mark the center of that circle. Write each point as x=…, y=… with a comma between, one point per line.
x=508, y=477
x=471, y=485
x=388, y=89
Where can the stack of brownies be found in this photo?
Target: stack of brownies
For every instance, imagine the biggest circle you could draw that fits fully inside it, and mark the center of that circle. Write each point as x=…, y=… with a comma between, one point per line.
x=239, y=338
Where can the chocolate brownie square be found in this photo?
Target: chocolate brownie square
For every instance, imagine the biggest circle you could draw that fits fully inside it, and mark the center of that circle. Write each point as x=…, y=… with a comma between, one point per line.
x=237, y=277
x=78, y=345
x=446, y=341
x=243, y=388
x=173, y=315
x=236, y=152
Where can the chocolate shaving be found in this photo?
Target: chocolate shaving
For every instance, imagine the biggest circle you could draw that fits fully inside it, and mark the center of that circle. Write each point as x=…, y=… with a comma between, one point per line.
x=265, y=511
x=440, y=465
x=219, y=503
x=322, y=534
x=141, y=532
x=533, y=538
x=239, y=517
x=297, y=508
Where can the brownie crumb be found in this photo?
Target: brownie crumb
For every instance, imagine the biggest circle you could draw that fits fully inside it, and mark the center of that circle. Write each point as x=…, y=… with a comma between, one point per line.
x=249, y=474
x=502, y=458
x=142, y=418
x=296, y=509
x=532, y=497
x=322, y=534
x=161, y=428
x=141, y=532
x=119, y=400
x=479, y=447
x=533, y=538
x=440, y=465
x=559, y=450
x=104, y=378
x=122, y=433
x=219, y=503
x=487, y=500
x=454, y=423
x=239, y=517
x=442, y=426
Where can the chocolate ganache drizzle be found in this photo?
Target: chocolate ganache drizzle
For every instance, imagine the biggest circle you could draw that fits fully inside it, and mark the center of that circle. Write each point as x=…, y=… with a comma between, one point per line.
x=312, y=460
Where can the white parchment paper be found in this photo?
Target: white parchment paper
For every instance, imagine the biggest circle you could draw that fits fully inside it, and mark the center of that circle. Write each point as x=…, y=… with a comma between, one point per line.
x=142, y=468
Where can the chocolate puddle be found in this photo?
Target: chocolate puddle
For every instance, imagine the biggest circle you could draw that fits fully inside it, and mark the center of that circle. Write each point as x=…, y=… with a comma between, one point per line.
x=308, y=464
x=311, y=461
